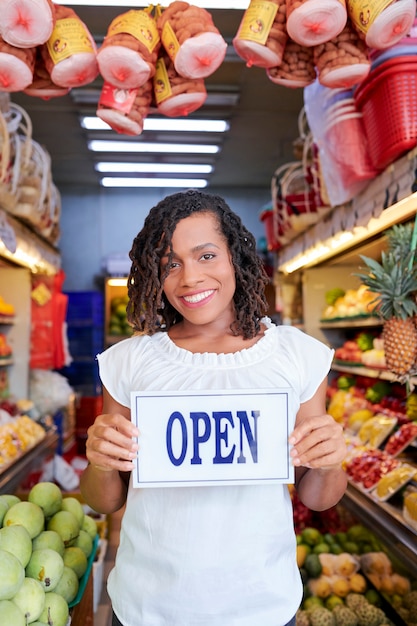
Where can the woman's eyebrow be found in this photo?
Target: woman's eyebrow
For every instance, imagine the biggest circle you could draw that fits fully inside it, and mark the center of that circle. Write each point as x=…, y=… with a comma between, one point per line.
x=201, y=246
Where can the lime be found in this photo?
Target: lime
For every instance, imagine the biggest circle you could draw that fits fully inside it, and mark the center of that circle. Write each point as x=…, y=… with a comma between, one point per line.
x=332, y=601
x=121, y=311
x=311, y=536
x=321, y=547
x=312, y=601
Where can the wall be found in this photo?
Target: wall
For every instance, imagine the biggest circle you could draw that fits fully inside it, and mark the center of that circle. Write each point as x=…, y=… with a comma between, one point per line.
x=96, y=225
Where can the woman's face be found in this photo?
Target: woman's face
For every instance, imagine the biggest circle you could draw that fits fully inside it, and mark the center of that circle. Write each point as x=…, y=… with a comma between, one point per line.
x=201, y=281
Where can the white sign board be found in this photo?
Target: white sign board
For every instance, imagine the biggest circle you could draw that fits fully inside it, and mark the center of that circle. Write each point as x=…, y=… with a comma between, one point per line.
x=213, y=437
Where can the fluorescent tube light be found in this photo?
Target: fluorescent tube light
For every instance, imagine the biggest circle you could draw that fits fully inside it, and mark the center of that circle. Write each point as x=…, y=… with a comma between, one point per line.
x=403, y=210
x=154, y=168
x=99, y=145
x=109, y=181
x=205, y=4
x=160, y=124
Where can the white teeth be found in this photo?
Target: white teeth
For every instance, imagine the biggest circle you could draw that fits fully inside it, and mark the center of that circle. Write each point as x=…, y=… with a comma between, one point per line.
x=198, y=297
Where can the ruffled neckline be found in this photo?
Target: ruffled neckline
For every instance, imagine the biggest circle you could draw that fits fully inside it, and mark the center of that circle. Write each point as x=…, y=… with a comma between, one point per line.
x=171, y=352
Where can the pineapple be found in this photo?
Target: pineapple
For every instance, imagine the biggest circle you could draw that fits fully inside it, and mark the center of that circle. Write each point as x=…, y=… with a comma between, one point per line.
x=394, y=281
x=399, y=239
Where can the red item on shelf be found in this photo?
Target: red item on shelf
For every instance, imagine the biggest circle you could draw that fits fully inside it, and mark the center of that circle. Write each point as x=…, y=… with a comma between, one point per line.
x=388, y=101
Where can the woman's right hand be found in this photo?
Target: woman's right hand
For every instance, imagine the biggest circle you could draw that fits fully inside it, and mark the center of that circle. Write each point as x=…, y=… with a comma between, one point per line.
x=111, y=443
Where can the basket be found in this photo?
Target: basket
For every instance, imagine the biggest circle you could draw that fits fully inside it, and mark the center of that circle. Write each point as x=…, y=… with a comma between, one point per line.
x=292, y=201
x=314, y=175
x=388, y=102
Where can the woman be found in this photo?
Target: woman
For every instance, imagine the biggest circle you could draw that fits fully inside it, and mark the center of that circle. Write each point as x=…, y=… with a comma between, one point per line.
x=214, y=555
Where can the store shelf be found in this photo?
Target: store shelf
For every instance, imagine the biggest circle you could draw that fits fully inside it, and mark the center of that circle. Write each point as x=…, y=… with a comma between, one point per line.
x=388, y=524
x=356, y=322
x=12, y=476
x=5, y=362
x=7, y=321
x=366, y=371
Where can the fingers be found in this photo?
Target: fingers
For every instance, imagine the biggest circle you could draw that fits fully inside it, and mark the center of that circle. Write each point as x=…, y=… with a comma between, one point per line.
x=318, y=442
x=111, y=443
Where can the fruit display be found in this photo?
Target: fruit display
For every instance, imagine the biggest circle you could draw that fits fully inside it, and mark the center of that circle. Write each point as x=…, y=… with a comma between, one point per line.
x=401, y=439
x=410, y=507
x=17, y=436
x=341, y=304
x=348, y=579
x=354, y=399
x=118, y=324
x=47, y=544
x=376, y=429
x=365, y=349
x=368, y=466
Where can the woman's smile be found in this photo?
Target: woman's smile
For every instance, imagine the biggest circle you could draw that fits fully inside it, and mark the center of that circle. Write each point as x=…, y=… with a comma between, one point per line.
x=198, y=298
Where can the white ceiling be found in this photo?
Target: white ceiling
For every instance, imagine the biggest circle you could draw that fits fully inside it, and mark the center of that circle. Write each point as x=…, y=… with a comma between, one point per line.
x=264, y=120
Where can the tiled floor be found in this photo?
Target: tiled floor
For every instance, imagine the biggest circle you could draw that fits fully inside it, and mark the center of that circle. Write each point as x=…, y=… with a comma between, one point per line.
x=102, y=617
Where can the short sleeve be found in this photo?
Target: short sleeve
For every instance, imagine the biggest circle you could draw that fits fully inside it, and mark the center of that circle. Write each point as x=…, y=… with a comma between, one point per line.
x=312, y=359
x=114, y=371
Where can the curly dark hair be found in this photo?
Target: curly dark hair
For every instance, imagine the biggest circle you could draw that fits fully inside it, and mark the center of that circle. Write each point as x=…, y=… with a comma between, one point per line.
x=148, y=309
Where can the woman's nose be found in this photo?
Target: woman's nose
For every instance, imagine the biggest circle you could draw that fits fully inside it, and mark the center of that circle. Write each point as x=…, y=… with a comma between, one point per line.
x=191, y=274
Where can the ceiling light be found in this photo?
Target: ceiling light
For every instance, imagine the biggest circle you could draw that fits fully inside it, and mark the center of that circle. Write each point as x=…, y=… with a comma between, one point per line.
x=98, y=145
x=205, y=4
x=185, y=183
x=154, y=168
x=162, y=124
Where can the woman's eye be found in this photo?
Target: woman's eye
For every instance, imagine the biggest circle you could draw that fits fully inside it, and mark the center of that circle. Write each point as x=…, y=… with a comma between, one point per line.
x=207, y=256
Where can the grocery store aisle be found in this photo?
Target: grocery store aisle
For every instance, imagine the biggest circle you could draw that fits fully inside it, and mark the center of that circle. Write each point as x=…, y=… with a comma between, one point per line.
x=102, y=617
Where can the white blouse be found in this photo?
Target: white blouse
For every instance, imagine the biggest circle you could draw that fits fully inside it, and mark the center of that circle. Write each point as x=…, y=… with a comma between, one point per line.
x=210, y=556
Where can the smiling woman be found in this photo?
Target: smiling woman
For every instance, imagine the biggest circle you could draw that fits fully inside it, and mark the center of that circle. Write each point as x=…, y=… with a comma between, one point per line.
x=210, y=411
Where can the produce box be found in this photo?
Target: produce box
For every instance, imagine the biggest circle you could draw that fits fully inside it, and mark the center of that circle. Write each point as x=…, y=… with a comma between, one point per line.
x=98, y=573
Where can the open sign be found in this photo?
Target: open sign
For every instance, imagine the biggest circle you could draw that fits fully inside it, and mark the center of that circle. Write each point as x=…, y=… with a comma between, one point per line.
x=213, y=437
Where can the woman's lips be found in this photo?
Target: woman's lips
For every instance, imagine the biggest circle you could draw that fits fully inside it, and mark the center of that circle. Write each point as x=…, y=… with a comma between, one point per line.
x=196, y=298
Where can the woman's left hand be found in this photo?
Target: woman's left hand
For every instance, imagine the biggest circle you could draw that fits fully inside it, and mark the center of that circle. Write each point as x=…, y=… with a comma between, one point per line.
x=317, y=442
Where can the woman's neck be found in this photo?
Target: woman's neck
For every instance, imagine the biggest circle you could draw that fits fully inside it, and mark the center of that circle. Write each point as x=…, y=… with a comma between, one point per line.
x=219, y=340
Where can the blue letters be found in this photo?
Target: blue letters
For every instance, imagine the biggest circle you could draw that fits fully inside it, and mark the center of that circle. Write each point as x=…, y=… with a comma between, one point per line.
x=220, y=435
x=223, y=435
x=252, y=440
x=176, y=416
x=195, y=417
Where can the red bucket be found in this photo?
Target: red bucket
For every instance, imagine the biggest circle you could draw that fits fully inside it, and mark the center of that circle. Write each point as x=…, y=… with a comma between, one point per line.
x=388, y=102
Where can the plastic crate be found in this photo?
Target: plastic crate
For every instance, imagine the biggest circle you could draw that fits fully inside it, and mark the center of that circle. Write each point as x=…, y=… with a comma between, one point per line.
x=388, y=102
x=85, y=308
x=85, y=341
x=84, y=378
